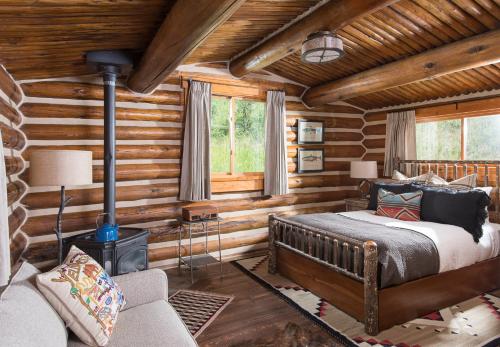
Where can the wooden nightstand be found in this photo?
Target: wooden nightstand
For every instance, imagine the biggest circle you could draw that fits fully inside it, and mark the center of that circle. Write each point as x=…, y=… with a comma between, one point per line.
x=356, y=204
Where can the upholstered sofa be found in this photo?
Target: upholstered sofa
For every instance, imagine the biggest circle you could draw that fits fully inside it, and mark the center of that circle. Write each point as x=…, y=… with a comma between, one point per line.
x=28, y=320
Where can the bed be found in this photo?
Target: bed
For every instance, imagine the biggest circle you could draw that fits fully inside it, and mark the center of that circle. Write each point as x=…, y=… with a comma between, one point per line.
x=343, y=258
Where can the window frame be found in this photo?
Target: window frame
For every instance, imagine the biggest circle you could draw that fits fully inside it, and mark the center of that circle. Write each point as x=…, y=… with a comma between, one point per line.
x=463, y=126
x=232, y=175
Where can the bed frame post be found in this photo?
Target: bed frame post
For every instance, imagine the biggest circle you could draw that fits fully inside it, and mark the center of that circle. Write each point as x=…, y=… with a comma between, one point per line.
x=370, y=284
x=273, y=225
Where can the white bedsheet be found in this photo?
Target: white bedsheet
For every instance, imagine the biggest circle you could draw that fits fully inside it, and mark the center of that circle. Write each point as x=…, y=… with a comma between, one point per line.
x=455, y=246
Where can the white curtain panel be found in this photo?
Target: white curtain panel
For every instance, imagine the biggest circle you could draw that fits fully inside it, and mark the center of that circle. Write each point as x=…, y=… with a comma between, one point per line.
x=276, y=168
x=400, y=140
x=4, y=222
x=195, y=175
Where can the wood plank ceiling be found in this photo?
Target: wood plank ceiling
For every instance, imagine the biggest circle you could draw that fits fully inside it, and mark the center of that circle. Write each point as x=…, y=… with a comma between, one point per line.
x=401, y=30
x=48, y=38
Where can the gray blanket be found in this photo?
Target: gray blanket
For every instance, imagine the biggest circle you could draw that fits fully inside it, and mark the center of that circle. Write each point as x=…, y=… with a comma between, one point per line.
x=404, y=255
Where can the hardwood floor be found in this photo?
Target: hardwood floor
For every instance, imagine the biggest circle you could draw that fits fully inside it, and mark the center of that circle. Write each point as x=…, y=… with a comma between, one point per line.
x=256, y=316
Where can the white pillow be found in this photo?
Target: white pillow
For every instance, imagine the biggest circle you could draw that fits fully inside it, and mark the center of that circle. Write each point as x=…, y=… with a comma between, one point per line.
x=396, y=175
x=468, y=181
x=84, y=295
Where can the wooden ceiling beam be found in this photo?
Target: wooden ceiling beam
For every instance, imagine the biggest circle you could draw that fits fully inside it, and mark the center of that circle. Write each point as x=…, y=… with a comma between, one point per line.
x=330, y=16
x=185, y=27
x=473, y=52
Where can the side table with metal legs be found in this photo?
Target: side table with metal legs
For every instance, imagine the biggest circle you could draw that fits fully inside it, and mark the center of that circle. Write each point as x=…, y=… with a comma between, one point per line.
x=195, y=261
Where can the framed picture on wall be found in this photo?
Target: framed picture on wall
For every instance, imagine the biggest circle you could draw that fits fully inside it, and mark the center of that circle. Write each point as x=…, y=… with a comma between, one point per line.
x=310, y=132
x=310, y=160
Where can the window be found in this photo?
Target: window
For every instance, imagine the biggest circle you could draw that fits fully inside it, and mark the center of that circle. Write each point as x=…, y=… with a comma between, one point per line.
x=237, y=136
x=465, y=138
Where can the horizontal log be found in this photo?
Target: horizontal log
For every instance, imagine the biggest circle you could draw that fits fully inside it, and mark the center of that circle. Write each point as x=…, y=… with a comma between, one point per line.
x=36, y=110
x=131, y=172
x=243, y=87
x=329, y=122
x=336, y=151
x=469, y=53
x=87, y=91
x=13, y=165
x=122, y=151
x=9, y=86
x=93, y=132
x=18, y=245
x=169, y=231
x=378, y=157
x=329, y=166
x=16, y=219
x=375, y=116
x=374, y=143
x=171, y=252
x=321, y=181
x=12, y=138
x=14, y=191
x=377, y=129
x=331, y=136
x=10, y=112
x=74, y=221
x=299, y=106
x=80, y=197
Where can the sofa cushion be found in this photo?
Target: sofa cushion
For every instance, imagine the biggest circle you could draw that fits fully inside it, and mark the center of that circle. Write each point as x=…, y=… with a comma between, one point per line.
x=153, y=324
x=84, y=295
x=26, y=318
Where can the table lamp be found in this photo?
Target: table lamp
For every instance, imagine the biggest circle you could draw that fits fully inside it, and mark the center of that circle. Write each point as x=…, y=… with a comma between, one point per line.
x=60, y=168
x=365, y=170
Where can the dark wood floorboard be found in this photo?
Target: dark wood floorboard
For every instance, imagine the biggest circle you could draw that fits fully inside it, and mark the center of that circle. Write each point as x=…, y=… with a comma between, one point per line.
x=256, y=316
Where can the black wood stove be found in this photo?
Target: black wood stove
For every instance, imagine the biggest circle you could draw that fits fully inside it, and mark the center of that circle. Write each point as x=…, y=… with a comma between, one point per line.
x=130, y=252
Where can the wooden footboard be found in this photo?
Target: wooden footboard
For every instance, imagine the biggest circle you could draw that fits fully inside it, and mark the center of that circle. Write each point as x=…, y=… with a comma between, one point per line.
x=352, y=258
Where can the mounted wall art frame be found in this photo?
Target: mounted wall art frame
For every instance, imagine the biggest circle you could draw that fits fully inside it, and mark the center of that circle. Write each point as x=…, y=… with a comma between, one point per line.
x=310, y=160
x=310, y=132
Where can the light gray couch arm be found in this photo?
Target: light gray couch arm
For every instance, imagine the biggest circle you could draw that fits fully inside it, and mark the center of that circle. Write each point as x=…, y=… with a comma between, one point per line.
x=143, y=287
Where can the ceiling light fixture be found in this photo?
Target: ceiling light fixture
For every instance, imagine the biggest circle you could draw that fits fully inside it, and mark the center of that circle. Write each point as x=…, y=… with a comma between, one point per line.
x=322, y=47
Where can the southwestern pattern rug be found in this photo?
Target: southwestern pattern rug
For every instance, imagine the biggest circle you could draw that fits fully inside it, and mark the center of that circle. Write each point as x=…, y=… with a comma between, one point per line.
x=475, y=322
x=198, y=309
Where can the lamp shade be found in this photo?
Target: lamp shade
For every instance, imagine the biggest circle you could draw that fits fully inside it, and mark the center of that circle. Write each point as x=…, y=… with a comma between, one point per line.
x=60, y=168
x=364, y=169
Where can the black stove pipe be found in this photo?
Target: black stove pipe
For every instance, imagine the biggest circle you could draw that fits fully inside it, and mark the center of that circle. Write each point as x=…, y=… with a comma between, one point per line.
x=109, y=78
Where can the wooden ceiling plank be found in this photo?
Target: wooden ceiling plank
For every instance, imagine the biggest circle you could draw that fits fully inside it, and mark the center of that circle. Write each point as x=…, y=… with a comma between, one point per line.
x=333, y=15
x=461, y=16
x=440, y=10
x=469, y=53
x=492, y=7
x=476, y=11
x=426, y=21
x=386, y=36
x=186, y=26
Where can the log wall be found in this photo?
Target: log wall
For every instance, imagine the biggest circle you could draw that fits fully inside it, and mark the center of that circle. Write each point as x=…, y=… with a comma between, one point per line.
x=67, y=114
x=14, y=142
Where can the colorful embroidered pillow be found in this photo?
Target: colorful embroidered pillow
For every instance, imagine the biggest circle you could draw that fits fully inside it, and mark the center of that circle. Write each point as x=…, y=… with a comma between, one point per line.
x=84, y=295
x=404, y=206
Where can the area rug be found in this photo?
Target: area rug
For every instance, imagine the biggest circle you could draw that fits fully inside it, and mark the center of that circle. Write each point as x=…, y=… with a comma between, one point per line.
x=475, y=322
x=198, y=309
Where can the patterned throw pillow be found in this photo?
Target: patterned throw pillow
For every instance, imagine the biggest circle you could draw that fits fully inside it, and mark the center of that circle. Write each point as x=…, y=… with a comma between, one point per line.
x=84, y=295
x=404, y=206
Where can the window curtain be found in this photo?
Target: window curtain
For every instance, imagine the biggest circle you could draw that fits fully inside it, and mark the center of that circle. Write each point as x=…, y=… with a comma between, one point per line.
x=400, y=140
x=4, y=222
x=276, y=168
x=195, y=175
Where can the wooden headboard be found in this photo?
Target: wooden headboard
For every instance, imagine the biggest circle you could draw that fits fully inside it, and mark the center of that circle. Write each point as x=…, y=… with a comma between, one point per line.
x=488, y=175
